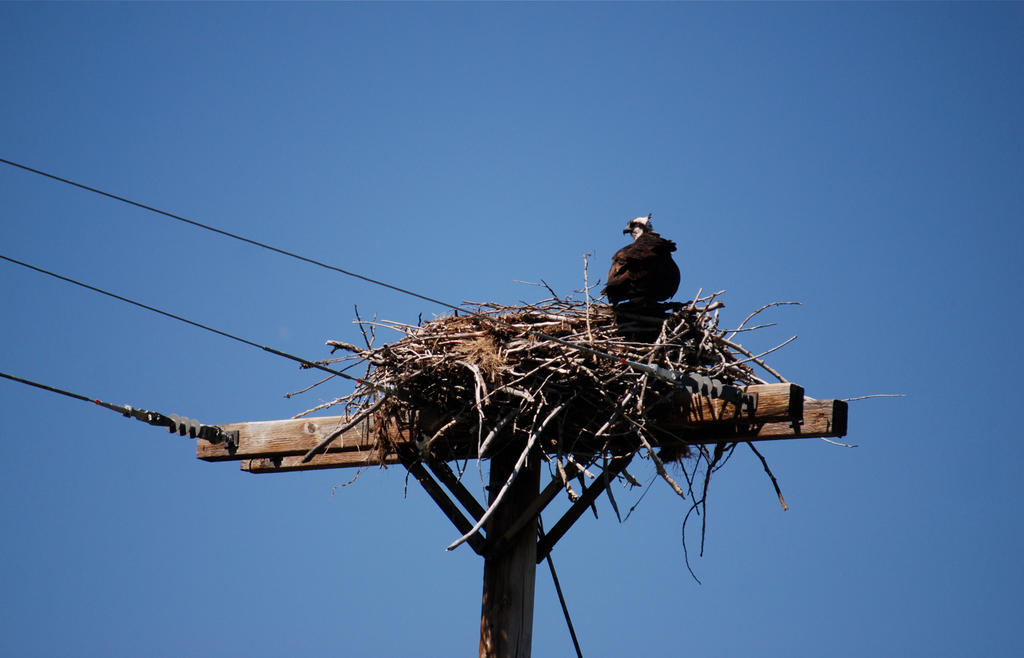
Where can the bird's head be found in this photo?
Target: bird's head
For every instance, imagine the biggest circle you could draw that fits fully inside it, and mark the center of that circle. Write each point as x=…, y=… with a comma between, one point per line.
x=638, y=226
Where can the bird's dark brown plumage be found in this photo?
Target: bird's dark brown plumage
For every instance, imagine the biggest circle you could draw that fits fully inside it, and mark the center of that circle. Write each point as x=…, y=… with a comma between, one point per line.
x=643, y=271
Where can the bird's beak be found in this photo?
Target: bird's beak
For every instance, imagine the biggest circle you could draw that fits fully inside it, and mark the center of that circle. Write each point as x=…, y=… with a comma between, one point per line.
x=626, y=230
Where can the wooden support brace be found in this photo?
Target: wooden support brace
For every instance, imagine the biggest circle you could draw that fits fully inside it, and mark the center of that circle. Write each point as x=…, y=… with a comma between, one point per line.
x=434, y=490
x=580, y=506
x=443, y=472
x=496, y=545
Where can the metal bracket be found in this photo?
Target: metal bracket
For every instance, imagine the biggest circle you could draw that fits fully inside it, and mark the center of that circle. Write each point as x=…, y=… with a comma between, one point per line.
x=184, y=426
x=194, y=429
x=230, y=437
x=713, y=388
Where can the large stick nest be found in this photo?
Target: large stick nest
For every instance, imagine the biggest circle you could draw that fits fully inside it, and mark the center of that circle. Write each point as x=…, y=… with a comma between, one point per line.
x=576, y=380
x=470, y=384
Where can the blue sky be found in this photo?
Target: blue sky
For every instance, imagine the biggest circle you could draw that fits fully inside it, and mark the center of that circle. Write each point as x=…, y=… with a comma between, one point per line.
x=866, y=160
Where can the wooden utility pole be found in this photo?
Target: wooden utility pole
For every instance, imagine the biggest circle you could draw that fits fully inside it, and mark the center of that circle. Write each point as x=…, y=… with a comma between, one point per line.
x=506, y=615
x=509, y=543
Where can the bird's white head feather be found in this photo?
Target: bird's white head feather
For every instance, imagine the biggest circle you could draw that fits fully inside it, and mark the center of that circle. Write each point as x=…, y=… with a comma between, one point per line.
x=638, y=226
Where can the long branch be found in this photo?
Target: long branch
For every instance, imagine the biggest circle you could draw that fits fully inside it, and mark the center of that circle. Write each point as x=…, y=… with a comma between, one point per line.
x=511, y=478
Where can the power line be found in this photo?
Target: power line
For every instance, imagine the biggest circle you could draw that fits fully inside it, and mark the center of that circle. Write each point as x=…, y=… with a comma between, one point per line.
x=52, y=389
x=561, y=597
x=174, y=423
x=229, y=234
x=305, y=362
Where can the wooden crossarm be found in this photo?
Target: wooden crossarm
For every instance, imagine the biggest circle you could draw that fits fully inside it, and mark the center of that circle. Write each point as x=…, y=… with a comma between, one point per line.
x=349, y=459
x=821, y=418
x=782, y=413
x=775, y=402
x=279, y=439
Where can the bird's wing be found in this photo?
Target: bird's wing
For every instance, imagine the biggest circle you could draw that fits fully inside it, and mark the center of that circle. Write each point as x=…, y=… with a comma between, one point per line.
x=619, y=270
x=653, y=244
x=628, y=265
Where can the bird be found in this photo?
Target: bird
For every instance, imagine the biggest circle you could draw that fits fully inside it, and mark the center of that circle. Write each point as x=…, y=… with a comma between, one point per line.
x=643, y=272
